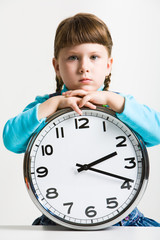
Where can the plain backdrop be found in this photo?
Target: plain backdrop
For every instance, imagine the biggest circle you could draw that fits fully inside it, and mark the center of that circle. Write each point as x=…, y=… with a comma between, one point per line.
x=27, y=29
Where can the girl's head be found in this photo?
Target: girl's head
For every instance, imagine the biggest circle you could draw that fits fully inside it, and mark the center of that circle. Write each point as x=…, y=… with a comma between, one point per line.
x=79, y=29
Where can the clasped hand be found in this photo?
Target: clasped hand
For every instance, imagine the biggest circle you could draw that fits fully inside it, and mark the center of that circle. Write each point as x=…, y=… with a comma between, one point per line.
x=76, y=99
x=80, y=98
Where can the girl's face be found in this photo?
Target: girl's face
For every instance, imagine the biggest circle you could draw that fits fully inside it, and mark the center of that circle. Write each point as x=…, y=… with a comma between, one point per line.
x=83, y=66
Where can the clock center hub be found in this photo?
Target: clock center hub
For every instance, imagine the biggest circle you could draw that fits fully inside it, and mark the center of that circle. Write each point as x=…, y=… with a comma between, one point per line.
x=85, y=167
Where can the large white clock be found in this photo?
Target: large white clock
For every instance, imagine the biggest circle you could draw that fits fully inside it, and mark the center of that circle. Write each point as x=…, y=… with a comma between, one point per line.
x=86, y=172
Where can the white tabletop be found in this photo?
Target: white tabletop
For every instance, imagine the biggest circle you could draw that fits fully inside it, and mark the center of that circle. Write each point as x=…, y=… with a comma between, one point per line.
x=59, y=233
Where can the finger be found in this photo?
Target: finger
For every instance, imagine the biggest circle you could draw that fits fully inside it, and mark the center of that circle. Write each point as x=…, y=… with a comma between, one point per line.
x=76, y=109
x=66, y=93
x=90, y=105
x=84, y=100
x=78, y=92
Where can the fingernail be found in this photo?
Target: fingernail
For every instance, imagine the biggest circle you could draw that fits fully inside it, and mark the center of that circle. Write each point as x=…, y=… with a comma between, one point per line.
x=80, y=113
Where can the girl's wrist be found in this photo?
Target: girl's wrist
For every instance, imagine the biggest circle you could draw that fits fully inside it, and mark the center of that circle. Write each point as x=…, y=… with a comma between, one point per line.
x=116, y=102
x=48, y=107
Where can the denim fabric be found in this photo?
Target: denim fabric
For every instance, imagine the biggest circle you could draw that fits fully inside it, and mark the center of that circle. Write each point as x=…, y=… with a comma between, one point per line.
x=135, y=218
x=43, y=220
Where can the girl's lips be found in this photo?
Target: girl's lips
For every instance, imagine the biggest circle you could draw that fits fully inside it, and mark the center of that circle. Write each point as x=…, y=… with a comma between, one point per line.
x=85, y=80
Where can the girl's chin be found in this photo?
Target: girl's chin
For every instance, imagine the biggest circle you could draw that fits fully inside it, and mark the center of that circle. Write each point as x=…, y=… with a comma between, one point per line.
x=89, y=88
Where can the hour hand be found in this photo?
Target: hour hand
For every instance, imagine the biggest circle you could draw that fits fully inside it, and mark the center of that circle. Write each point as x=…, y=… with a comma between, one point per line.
x=87, y=166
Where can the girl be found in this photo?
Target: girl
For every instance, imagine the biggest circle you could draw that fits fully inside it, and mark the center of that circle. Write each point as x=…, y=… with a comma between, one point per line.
x=83, y=62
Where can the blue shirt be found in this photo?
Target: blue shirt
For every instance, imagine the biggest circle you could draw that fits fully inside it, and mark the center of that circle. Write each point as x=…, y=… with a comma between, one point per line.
x=142, y=119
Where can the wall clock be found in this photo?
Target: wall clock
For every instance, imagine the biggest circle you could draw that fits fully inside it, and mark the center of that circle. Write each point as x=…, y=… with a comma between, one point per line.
x=86, y=172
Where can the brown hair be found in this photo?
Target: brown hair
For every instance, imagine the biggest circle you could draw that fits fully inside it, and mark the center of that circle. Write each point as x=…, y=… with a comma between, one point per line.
x=82, y=28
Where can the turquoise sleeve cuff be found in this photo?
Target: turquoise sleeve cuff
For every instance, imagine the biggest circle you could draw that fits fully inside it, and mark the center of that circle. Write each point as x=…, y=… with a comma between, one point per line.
x=18, y=130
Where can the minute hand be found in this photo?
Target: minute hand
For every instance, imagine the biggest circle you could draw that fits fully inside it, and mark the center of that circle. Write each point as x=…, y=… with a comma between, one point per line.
x=109, y=174
x=87, y=166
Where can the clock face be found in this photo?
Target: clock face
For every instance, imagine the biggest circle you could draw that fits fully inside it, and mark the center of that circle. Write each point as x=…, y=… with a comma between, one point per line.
x=86, y=172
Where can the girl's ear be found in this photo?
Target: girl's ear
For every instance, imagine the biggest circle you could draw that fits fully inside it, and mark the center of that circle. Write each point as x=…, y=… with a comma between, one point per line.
x=56, y=66
x=109, y=65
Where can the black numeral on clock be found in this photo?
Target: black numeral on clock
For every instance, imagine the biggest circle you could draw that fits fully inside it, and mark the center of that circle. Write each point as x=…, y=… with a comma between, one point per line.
x=90, y=212
x=126, y=185
x=122, y=142
x=69, y=204
x=112, y=202
x=51, y=193
x=81, y=123
x=47, y=150
x=60, y=132
x=104, y=126
x=131, y=162
x=42, y=172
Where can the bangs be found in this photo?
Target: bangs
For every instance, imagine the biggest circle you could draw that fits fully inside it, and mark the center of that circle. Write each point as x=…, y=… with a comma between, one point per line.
x=82, y=29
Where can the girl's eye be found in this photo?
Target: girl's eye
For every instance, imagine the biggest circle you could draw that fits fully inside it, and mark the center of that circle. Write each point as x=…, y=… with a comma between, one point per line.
x=72, y=58
x=94, y=57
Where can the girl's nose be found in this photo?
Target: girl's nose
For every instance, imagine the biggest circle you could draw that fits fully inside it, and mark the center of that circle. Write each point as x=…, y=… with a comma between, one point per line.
x=83, y=66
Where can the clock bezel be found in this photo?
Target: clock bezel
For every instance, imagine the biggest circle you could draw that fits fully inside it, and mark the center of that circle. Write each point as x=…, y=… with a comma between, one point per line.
x=93, y=226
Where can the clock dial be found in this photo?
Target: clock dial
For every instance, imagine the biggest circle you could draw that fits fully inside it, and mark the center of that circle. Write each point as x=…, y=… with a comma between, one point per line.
x=86, y=172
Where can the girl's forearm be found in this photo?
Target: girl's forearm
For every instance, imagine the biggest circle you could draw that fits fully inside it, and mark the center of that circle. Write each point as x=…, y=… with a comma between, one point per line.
x=116, y=102
x=49, y=107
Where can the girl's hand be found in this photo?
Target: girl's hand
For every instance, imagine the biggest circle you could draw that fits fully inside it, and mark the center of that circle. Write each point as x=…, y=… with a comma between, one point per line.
x=77, y=99
x=50, y=106
x=74, y=103
x=115, y=101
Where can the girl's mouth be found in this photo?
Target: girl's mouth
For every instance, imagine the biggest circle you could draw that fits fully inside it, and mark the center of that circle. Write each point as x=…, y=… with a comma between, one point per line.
x=85, y=80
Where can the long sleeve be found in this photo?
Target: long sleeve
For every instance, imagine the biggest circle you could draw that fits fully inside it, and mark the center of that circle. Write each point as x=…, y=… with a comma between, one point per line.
x=140, y=118
x=18, y=130
x=143, y=120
